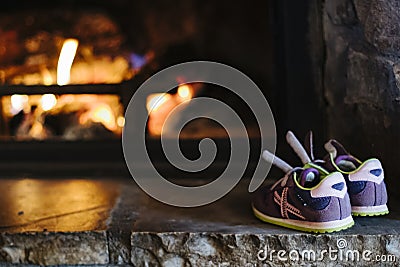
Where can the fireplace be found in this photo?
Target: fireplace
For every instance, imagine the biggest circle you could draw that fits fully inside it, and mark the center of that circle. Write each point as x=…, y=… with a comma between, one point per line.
x=278, y=45
x=68, y=70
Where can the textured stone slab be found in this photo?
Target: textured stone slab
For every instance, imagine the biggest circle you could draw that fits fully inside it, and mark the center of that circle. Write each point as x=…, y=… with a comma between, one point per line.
x=341, y=12
x=54, y=248
x=377, y=90
x=245, y=249
x=86, y=265
x=380, y=23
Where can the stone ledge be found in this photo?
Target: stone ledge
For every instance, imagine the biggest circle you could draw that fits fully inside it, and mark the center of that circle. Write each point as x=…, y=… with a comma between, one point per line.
x=54, y=248
x=215, y=249
x=136, y=230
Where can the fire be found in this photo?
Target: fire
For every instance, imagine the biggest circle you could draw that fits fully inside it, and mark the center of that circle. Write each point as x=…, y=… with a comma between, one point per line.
x=65, y=60
x=121, y=121
x=159, y=106
x=37, y=130
x=101, y=113
x=82, y=116
x=18, y=102
x=47, y=77
x=155, y=101
x=104, y=114
x=48, y=101
x=185, y=91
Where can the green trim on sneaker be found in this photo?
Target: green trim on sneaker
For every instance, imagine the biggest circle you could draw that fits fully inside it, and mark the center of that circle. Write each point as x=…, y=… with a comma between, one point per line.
x=316, y=166
x=311, y=227
x=364, y=214
x=369, y=210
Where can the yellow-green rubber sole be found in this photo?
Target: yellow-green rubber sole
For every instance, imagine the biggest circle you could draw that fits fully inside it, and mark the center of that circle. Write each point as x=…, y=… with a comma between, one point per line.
x=364, y=214
x=344, y=224
x=369, y=210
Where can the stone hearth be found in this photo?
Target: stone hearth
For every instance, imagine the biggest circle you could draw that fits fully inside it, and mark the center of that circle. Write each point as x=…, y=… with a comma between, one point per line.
x=112, y=222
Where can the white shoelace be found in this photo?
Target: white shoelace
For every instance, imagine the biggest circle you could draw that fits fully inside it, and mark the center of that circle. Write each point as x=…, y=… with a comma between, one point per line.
x=285, y=178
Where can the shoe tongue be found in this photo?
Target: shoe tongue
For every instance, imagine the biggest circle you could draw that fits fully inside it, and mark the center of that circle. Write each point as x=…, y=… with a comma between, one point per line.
x=346, y=163
x=309, y=177
x=333, y=146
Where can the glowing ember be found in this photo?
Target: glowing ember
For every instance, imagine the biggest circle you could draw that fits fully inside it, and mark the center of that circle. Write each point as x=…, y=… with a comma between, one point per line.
x=48, y=101
x=65, y=60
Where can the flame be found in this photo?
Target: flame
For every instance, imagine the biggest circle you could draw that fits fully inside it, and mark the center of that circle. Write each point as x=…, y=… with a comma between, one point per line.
x=101, y=113
x=185, y=92
x=18, y=103
x=65, y=60
x=159, y=106
x=155, y=101
x=121, y=121
x=48, y=101
x=37, y=130
x=47, y=77
x=68, y=99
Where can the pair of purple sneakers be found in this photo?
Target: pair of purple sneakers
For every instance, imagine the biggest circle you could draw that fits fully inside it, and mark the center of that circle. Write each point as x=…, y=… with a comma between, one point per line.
x=323, y=195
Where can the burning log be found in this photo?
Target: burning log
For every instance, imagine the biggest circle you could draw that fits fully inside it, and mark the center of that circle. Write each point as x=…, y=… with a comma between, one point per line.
x=30, y=45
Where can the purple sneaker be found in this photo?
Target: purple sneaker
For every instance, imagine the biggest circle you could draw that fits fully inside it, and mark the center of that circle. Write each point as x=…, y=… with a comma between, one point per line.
x=364, y=180
x=304, y=199
x=367, y=190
